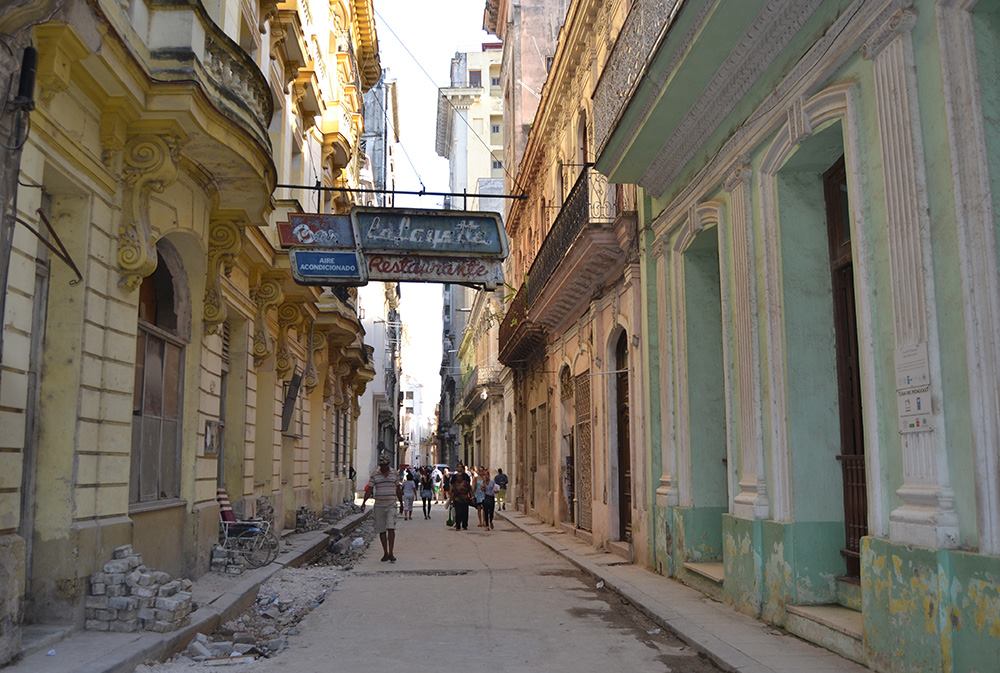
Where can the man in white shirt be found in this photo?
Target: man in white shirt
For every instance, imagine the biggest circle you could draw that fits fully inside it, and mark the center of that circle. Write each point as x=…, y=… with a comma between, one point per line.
x=384, y=486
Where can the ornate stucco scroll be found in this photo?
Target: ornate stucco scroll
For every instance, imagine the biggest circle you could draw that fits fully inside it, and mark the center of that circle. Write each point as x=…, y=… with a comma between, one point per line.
x=225, y=240
x=265, y=295
x=149, y=165
x=289, y=317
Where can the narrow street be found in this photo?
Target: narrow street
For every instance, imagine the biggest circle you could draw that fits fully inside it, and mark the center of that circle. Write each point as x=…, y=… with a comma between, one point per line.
x=476, y=601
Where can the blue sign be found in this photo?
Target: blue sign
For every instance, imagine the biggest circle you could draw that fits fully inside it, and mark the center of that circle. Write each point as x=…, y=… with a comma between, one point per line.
x=327, y=267
x=410, y=231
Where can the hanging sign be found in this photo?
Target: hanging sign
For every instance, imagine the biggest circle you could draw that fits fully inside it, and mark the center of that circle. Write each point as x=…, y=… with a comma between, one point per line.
x=327, y=267
x=396, y=244
x=430, y=269
x=410, y=231
x=319, y=230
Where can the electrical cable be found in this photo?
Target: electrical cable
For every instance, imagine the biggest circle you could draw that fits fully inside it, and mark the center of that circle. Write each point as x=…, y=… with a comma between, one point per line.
x=452, y=105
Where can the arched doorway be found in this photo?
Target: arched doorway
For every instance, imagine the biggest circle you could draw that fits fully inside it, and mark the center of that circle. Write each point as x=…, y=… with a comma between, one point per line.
x=158, y=392
x=623, y=440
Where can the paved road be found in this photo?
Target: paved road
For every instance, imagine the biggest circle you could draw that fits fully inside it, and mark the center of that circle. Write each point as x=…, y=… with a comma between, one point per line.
x=477, y=601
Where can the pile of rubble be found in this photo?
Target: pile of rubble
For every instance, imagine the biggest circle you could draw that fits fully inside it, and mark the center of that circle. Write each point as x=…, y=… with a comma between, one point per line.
x=307, y=520
x=226, y=561
x=127, y=597
x=345, y=552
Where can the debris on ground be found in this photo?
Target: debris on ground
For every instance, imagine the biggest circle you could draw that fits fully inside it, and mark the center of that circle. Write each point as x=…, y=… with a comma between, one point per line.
x=346, y=551
x=264, y=629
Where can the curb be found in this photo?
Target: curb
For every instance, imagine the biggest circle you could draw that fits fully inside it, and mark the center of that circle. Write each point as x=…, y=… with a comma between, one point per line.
x=716, y=650
x=229, y=604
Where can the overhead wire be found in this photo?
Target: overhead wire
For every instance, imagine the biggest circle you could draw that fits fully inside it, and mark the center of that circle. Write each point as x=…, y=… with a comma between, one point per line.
x=452, y=105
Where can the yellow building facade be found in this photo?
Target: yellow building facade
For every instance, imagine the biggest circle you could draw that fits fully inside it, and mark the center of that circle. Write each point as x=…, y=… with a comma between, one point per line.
x=183, y=359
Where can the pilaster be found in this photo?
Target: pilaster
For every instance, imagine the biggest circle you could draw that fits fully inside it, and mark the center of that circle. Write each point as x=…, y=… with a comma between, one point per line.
x=926, y=515
x=751, y=499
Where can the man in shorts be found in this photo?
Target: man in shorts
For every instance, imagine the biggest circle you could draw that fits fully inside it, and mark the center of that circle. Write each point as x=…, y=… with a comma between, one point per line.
x=501, y=482
x=384, y=486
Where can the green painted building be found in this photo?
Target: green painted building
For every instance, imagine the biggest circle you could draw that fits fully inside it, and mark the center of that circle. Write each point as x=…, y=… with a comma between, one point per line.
x=821, y=311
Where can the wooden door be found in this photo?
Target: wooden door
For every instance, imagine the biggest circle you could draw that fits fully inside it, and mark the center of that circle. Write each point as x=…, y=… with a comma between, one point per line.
x=584, y=478
x=624, y=445
x=852, y=448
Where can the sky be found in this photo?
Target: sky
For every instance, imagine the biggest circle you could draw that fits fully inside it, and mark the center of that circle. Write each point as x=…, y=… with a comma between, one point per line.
x=433, y=31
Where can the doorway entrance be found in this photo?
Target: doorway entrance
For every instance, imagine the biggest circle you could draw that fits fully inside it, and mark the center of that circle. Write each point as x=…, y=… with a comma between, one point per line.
x=852, y=446
x=624, y=444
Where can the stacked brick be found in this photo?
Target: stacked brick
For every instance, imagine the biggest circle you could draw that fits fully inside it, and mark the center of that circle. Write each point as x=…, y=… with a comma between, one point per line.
x=128, y=597
x=226, y=561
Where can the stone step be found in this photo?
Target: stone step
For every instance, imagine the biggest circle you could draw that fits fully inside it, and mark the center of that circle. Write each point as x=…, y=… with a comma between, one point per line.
x=849, y=593
x=621, y=548
x=834, y=627
x=712, y=571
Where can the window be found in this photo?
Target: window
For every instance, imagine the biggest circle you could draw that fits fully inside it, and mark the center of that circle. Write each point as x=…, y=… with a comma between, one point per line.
x=156, y=396
x=494, y=81
x=494, y=128
x=497, y=164
x=475, y=79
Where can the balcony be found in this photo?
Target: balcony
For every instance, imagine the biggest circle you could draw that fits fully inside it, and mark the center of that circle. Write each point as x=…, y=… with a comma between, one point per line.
x=630, y=56
x=578, y=256
x=180, y=35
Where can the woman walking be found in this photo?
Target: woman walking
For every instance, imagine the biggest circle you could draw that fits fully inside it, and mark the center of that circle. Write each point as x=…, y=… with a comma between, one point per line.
x=426, y=492
x=409, y=495
x=489, y=508
x=478, y=489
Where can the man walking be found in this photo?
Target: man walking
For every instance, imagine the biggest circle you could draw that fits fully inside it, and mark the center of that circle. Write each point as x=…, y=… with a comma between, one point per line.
x=388, y=493
x=501, y=481
x=461, y=497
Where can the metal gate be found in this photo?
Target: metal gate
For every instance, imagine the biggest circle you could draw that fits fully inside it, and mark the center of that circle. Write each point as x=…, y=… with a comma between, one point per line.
x=584, y=477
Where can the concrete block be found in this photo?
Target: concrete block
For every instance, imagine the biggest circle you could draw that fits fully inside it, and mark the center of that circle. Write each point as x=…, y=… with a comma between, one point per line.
x=96, y=625
x=146, y=580
x=172, y=603
x=117, y=569
x=126, y=615
x=147, y=614
x=105, y=615
x=170, y=588
x=99, y=578
x=122, y=603
x=98, y=588
x=134, y=561
x=117, y=590
x=96, y=602
x=126, y=626
x=160, y=577
x=122, y=551
x=145, y=592
x=170, y=615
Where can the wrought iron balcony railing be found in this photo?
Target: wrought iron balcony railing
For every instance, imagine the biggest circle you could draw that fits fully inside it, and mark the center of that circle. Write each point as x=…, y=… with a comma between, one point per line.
x=591, y=202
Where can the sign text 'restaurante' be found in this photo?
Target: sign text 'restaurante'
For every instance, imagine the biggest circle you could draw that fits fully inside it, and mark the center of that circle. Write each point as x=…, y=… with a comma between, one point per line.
x=440, y=232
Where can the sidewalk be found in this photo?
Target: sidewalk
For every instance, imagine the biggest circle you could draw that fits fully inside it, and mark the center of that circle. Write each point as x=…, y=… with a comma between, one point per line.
x=734, y=641
x=219, y=598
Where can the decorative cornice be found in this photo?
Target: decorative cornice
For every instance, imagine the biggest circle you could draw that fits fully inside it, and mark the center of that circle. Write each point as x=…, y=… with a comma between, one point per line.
x=59, y=48
x=150, y=164
x=772, y=29
x=739, y=174
x=898, y=17
x=225, y=240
